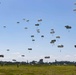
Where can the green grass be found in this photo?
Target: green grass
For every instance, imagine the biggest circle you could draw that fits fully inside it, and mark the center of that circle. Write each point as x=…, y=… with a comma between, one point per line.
x=37, y=70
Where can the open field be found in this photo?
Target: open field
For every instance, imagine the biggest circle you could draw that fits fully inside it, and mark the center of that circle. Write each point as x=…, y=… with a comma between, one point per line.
x=37, y=70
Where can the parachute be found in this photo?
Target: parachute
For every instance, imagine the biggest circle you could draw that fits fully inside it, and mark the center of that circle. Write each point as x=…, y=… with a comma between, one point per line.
x=68, y=27
x=42, y=36
x=27, y=20
x=52, y=31
x=75, y=46
x=32, y=35
x=18, y=22
x=53, y=41
x=29, y=48
x=74, y=3
x=38, y=30
x=8, y=50
x=47, y=57
x=74, y=9
x=25, y=28
x=13, y=59
x=4, y=26
x=2, y=56
x=23, y=55
x=57, y=36
x=37, y=24
x=60, y=46
x=39, y=20
x=33, y=39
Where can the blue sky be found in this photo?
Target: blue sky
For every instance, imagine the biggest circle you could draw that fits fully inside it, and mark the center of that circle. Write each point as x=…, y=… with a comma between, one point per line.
x=55, y=14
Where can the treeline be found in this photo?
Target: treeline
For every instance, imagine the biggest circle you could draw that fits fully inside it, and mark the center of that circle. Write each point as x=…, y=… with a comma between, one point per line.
x=2, y=63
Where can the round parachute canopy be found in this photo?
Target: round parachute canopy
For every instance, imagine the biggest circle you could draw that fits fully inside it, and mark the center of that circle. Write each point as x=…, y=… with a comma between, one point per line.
x=47, y=57
x=60, y=46
x=2, y=56
x=18, y=22
x=37, y=24
x=53, y=41
x=39, y=20
x=32, y=35
x=38, y=30
x=57, y=36
x=33, y=39
x=74, y=9
x=29, y=48
x=4, y=26
x=24, y=19
x=25, y=28
x=23, y=55
x=27, y=20
x=75, y=46
x=13, y=59
x=68, y=27
x=52, y=32
x=74, y=3
x=8, y=50
x=42, y=36
x=52, y=29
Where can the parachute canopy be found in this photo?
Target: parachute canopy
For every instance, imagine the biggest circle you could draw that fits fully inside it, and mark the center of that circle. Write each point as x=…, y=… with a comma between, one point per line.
x=29, y=48
x=47, y=57
x=74, y=9
x=39, y=20
x=57, y=36
x=8, y=50
x=74, y=3
x=75, y=46
x=37, y=24
x=53, y=41
x=68, y=27
x=4, y=26
x=60, y=46
x=18, y=22
x=25, y=28
x=27, y=20
x=2, y=56
x=33, y=39
x=42, y=35
x=32, y=35
x=13, y=59
x=38, y=30
x=23, y=55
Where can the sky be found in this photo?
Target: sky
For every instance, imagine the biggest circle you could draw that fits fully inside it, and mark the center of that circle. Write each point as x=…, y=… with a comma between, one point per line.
x=55, y=14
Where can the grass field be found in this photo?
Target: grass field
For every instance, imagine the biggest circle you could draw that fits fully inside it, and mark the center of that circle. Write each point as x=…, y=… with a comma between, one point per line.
x=37, y=70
